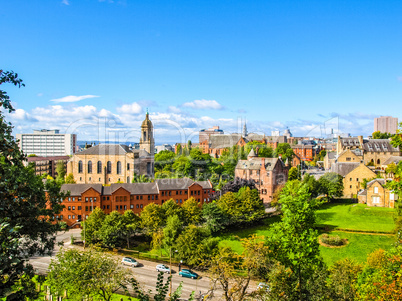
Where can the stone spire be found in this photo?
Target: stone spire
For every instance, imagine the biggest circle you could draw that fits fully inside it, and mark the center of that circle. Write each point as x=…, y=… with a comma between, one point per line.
x=147, y=135
x=244, y=134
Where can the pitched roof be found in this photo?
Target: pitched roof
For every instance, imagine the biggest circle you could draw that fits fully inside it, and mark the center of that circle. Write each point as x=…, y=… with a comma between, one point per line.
x=255, y=137
x=379, y=145
x=223, y=141
x=343, y=168
x=331, y=155
x=350, y=141
x=255, y=163
x=78, y=189
x=251, y=153
x=106, y=149
x=133, y=188
x=393, y=159
x=49, y=158
x=379, y=180
x=174, y=184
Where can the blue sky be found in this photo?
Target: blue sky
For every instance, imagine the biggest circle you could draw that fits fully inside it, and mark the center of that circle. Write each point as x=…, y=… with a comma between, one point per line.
x=93, y=67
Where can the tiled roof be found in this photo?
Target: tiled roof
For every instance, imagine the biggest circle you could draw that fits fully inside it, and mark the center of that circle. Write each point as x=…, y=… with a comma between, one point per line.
x=50, y=158
x=393, y=159
x=255, y=163
x=381, y=181
x=343, y=168
x=379, y=145
x=350, y=141
x=362, y=192
x=78, y=189
x=133, y=188
x=255, y=137
x=174, y=184
x=106, y=149
x=331, y=155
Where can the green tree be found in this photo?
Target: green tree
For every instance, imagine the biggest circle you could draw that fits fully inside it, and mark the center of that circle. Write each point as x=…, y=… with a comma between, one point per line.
x=293, y=174
x=61, y=171
x=188, y=243
x=131, y=224
x=86, y=274
x=294, y=241
x=285, y=151
x=164, y=160
x=331, y=184
x=379, y=135
x=171, y=232
x=26, y=210
x=170, y=208
x=92, y=225
x=152, y=218
x=214, y=218
x=111, y=230
x=70, y=179
x=191, y=211
x=342, y=279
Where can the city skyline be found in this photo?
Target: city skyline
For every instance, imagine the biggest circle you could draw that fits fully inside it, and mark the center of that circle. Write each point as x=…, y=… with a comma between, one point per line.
x=94, y=67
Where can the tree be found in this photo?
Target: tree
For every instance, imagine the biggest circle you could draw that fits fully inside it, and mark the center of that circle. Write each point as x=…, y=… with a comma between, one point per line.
x=170, y=208
x=61, y=171
x=131, y=223
x=70, y=179
x=285, y=151
x=172, y=231
x=295, y=241
x=379, y=135
x=164, y=160
x=331, y=184
x=214, y=218
x=111, y=230
x=26, y=209
x=293, y=174
x=342, y=279
x=191, y=211
x=86, y=274
x=92, y=225
x=152, y=218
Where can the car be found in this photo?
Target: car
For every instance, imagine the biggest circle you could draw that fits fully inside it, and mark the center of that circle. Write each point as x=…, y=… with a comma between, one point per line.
x=188, y=273
x=162, y=268
x=130, y=261
x=263, y=286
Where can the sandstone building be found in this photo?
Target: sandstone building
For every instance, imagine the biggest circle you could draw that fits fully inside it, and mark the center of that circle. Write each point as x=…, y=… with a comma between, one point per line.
x=115, y=163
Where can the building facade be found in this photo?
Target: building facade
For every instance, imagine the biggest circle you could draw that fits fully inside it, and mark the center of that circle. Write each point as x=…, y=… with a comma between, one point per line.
x=377, y=195
x=204, y=134
x=84, y=198
x=47, y=165
x=46, y=143
x=115, y=163
x=267, y=173
x=386, y=124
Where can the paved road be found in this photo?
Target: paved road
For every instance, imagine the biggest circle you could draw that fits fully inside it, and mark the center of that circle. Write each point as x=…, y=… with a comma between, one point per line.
x=146, y=274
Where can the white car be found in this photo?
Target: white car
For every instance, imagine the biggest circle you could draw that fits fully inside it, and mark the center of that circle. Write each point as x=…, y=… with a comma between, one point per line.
x=130, y=261
x=162, y=268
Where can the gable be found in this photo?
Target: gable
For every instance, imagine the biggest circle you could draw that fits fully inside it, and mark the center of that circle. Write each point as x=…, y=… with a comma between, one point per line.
x=361, y=171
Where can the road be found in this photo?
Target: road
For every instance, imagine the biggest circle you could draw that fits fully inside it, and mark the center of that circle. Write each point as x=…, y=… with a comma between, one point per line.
x=145, y=274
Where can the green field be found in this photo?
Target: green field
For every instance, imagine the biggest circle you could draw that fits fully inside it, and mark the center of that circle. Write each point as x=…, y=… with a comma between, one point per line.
x=344, y=216
x=359, y=246
x=356, y=217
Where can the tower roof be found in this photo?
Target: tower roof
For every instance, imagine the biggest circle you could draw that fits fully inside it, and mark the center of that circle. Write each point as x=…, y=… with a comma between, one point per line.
x=147, y=122
x=252, y=153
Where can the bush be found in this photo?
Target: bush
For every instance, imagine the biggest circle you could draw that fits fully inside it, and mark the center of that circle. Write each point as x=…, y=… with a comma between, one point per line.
x=332, y=240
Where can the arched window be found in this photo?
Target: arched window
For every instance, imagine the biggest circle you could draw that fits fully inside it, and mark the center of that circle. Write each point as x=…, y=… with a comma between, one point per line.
x=89, y=166
x=118, y=167
x=99, y=167
x=80, y=167
x=144, y=136
x=109, y=167
x=378, y=162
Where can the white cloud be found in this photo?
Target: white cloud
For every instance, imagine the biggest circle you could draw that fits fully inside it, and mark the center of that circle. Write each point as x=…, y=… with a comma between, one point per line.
x=20, y=114
x=203, y=104
x=173, y=109
x=133, y=108
x=65, y=2
x=73, y=98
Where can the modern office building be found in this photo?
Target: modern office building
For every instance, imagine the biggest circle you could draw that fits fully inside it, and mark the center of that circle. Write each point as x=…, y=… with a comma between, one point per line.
x=204, y=134
x=46, y=143
x=386, y=124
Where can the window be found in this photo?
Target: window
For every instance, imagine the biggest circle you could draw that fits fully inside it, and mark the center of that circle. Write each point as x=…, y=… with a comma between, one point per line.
x=73, y=216
x=140, y=197
x=109, y=167
x=357, y=179
x=99, y=167
x=90, y=199
x=107, y=206
x=121, y=207
x=152, y=197
x=375, y=189
x=378, y=162
x=89, y=166
x=73, y=207
x=156, y=197
x=137, y=197
x=128, y=166
x=163, y=193
x=86, y=208
x=69, y=217
x=95, y=199
x=69, y=207
x=118, y=167
x=79, y=199
x=69, y=199
x=80, y=167
x=104, y=207
x=351, y=179
x=177, y=201
x=104, y=198
x=141, y=206
x=348, y=159
x=125, y=207
x=137, y=206
x=117, y=207
x=108, y=198
x=86, y=199
x=149, y=197
x=391, y=196
x=73, y=199
x=79, y=207
x=131, y=206
x=376, y=199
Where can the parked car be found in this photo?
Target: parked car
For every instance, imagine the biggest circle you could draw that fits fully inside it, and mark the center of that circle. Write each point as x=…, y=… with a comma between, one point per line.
x=188, y=273
x=263, y=286
x=162, y=268
x=130, y=261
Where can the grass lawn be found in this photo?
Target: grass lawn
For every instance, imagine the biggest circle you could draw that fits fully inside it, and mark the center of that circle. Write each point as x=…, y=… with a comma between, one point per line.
x=360, y=245
x=356, y=217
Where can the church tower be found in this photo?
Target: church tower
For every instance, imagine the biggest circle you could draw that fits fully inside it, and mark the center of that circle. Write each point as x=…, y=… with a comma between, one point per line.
x=244, y=134
x=147, y=142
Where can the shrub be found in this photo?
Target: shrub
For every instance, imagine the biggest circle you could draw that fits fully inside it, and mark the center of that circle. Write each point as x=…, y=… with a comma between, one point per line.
x=332, y=240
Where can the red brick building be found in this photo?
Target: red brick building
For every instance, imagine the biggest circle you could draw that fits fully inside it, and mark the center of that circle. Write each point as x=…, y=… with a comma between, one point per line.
x=304, y=152
x=268, y=174
x=128, y=196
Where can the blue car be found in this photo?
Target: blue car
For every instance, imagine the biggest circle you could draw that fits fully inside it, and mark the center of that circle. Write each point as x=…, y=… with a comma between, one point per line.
x=188, y=273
